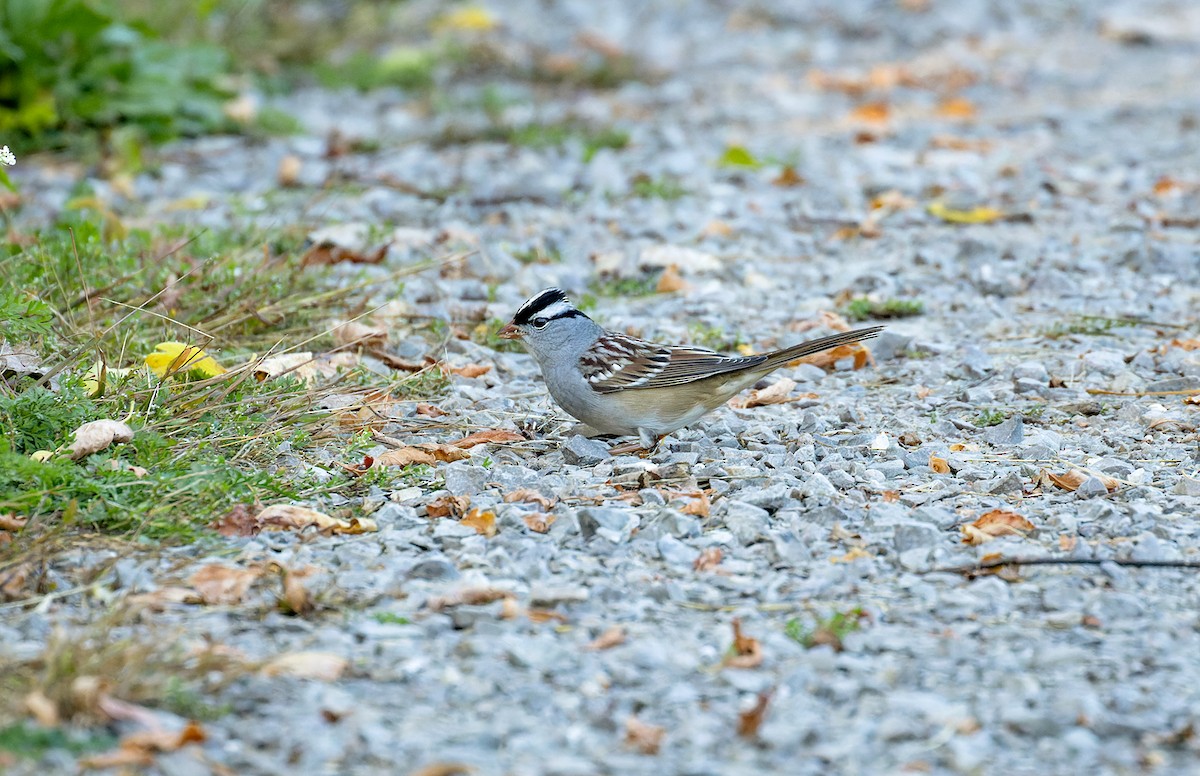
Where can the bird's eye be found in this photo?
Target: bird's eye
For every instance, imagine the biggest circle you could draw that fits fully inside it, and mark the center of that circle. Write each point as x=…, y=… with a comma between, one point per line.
x=540, y=323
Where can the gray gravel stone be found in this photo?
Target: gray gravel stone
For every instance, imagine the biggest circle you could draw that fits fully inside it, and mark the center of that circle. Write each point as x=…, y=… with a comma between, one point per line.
x=614, y=525
x=581, y=451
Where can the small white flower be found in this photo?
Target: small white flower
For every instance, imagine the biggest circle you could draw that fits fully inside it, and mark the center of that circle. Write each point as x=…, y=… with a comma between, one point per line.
x=6, y=156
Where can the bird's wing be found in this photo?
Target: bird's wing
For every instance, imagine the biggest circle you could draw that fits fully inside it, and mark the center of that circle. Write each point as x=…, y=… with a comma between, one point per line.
x=617, y=362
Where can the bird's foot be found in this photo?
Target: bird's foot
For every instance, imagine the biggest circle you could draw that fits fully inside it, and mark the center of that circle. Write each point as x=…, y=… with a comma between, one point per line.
x=644, y=447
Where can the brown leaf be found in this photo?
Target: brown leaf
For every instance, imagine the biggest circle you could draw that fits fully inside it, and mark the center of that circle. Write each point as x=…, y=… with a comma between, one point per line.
x=1193, y=400
x=447, y=506
x=283, y=517
x=288, y=173
x=42, y=709
x=545, y=615
x=827, y=359
x=323, y=666
x=406, y=456
x=444, y=769
x=430, y=411
x=746, y=652
x=956, y=108
x=700, y=507
x=359, y=334
x=163, y=598
x=539, y=522
x=484, y=522
x=788, y=177
x=238, y=521
x=218, y=584
x=10, y=522
x=470, y=370
x=610, y=638
x=529, y=496
x=890, y=496
x=357, y=469
x=97, y=435
x=708, y=559
x=997, y=522
x=939, y=465
x=716, y=228
x=14, y=581
x=855, y=553
x=328, y=253
x=496, y=435
x=1066, y=543
x=671, y=281
x=295, y=595
x=750, y=720
x=872, y=113
x=643, y=737
x=778, y=392
x=1072, y=479
x=469, y=596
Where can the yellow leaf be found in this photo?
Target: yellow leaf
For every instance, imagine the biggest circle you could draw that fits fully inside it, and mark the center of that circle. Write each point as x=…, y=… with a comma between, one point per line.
x=975, y=215
x=854, y=554
x=471, y=18
x=483, y=522
x=170, y=358
x=738, y=156
x=95, y=378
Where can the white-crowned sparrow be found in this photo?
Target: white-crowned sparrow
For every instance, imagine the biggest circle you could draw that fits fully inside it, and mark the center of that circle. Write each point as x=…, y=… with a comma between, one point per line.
x=627, y=386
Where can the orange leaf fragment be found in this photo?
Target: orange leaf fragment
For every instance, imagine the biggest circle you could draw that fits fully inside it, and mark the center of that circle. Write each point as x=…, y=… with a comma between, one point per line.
x=708, y=559
x=496, y=435
x=1071, y=480
x=539, y=522
x=218, y=584
x=484, y=522
x=854, y=554
x=470, y=370
x=608, y=639
x=430, y=411
x=700, y=508
x=750, y=720
x=826, y=359
x=956, y=108
x=745, y=652
x=1066, y=543
x=530, y=496
x=447, y=506
x=671, y=281
x=788, y=177
x=939, y=465
x=872, y=113
x=469, y=596
x=323, y=666
x=1166, y=185
x=997, y=522
x=643, y=737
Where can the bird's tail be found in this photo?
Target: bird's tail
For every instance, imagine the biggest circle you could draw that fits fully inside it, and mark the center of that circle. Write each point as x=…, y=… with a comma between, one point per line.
x=820, y=344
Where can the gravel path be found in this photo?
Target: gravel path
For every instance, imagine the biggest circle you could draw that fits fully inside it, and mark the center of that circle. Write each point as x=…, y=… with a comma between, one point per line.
x=1083, y=132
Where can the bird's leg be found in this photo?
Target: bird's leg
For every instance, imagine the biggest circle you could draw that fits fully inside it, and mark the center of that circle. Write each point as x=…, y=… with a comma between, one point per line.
x=645, y=446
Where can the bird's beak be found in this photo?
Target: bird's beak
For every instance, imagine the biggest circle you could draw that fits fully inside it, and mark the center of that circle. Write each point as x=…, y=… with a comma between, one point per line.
x=509, y=331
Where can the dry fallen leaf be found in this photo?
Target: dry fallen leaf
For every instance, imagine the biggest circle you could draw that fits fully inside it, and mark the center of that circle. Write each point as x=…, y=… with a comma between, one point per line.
x=14, y=581
x=171, y=358
x=997, y=522
x=494, y=435
x=159, y=600
x=539, y=522
x=827, y=359
x=750, y=720
x=42, y=709
x=359, y=334
x=469, y=596
x=671, y=281
x=778, y=392
x=1066, y=543
x=444, y=769
x=956, y=108
x=137, y=749
x=97, y=435
x=643, y=737
x=610, y=638
x=288, y=173
x=700, y=507
x=470, y=370
x=1072, y=479
x=295, y=595
x=297, y=365
x=447, y=506
x=855, y=553
x=323, y=666
x=10, y=522
x=872, y=113
x=284, y=517
x=788, y=177
x=708, y=559
x=328, y=253
x=939, y=465
x=526, y=495
x=975, y=215
x=428, y=454
x=221, y=585
x=745, y=652
x=484, y=522
x=430, y=411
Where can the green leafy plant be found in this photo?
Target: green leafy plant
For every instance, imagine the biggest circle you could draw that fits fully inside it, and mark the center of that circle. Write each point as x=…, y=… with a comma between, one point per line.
x=829, y=631
x=862, y=308
x=989, y=418
x=68, y=66
x=657, y=188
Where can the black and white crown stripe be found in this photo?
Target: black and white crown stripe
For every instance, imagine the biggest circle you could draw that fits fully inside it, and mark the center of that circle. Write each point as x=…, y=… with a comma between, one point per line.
x=549, y=304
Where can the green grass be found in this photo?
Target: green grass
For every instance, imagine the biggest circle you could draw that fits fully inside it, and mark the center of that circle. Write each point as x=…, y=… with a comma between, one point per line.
x=205, y=444
x=389, y=618
x=31, y=742
x=829, y=631
x=538, y=255
x=713, y=337
x=485, y=334
x=988, y=418
x=657, y=188
x=1087, y=325
x=863, y=309
x=639, y=285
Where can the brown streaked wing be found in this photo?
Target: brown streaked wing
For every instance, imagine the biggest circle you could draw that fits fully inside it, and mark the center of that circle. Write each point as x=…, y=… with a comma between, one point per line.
x=618, y=362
